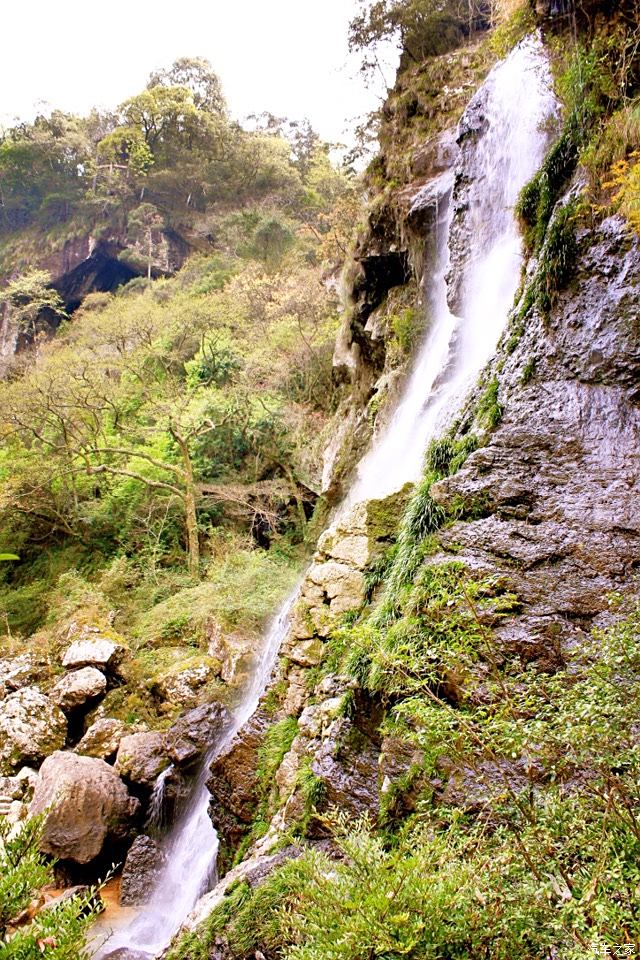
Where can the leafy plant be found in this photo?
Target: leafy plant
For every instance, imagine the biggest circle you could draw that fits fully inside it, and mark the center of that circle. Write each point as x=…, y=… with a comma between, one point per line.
x=60, y=931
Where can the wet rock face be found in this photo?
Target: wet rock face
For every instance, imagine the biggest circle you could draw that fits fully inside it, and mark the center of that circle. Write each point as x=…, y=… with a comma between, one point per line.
x=123, y=953
x=234, y=784
x=141, y=757
x=31, y=727
x=141, y=870
x=347, y=764
x=557, y=485
x=194, y=733
x=87, y=803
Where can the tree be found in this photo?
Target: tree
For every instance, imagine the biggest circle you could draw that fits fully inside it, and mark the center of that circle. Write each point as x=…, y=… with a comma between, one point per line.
x=143, y=224
x=196, y=75
x=31, y=295
x=423, y=28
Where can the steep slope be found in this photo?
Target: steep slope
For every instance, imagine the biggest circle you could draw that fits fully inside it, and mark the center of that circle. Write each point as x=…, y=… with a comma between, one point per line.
x=467, y=678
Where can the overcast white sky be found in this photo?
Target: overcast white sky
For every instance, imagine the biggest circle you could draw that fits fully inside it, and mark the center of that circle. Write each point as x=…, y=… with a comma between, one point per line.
x=286, y=56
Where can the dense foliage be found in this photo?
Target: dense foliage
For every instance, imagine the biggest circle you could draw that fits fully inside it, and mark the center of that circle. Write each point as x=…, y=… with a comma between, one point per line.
x=58, y=931
x=161, y=454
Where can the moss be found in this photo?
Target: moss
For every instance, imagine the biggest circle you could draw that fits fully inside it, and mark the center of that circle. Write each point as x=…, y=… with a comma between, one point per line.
x=275, y=745
x=513, y=29
x=312, y=787
x=489, y=410
x=528, y=371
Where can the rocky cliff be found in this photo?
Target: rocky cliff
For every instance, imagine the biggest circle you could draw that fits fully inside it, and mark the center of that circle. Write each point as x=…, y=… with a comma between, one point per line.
x=521, y=546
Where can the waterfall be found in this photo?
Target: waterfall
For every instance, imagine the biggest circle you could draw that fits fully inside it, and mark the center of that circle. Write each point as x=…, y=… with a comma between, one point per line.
x=508, y=143
x=192, y=846
x=155, y=818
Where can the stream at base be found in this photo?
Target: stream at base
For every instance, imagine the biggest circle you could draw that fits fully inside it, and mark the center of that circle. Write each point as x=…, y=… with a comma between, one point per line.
x=191, y=846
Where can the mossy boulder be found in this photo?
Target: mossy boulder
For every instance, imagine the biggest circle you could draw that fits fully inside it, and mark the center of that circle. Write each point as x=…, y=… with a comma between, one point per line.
x=31, y=727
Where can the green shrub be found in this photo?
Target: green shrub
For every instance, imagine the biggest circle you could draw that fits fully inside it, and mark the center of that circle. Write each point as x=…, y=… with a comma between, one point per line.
x=59, y=933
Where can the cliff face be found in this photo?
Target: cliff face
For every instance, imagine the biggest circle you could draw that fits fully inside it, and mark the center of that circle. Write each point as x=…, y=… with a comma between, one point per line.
x=535, y=549
x=84, y=264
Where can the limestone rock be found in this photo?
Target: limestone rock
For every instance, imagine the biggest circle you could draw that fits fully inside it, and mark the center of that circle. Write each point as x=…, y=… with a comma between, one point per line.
x=31, y=727
x=187, y=687
x=351, y=548
x=306, y=653
x=88, y=802
x=233, y=782
x=343, y=586
x=228, y=649
x=94, y=650
x=297, y=691
x=77, y=687
x=141, y=870
x=141, y=757
x=196, y=732
x=18, y=672
x=16, y=792
x=102, y=739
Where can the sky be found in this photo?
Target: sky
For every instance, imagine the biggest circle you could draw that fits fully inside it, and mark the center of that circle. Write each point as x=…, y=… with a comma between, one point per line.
x=286, y=56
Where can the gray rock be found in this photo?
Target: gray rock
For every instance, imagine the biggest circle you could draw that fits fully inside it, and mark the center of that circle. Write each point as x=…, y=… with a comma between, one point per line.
x=77, y=687
x=188, y=687
x=31, y=727
x=141, y=757
x=102, y=739
x=123, y=953
x=141, y=870
x=18, y=672
x=195, y=732
x=87, y=806
x=94, y=650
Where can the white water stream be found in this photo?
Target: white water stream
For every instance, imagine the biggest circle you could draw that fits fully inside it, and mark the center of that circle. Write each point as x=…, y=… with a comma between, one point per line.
x=517, y=99
x=192, y=846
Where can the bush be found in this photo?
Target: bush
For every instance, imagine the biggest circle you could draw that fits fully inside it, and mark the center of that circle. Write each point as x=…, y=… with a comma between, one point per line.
x=60, y=932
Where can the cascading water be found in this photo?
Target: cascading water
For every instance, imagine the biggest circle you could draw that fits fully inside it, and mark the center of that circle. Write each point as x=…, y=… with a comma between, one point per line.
x=192, y=846
x=516, y=100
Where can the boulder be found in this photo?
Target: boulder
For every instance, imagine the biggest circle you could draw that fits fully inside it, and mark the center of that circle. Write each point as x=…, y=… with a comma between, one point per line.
x=31, y=727
x=229, y=649
x=141, y=870
x=102, y=739
x=76, y=688
x=187, y=687
x=15, y=794
x=19, y=672
x=141, y=757
x=87, y=805
x=93, y=649
x=306, y=653
x=195, y=733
